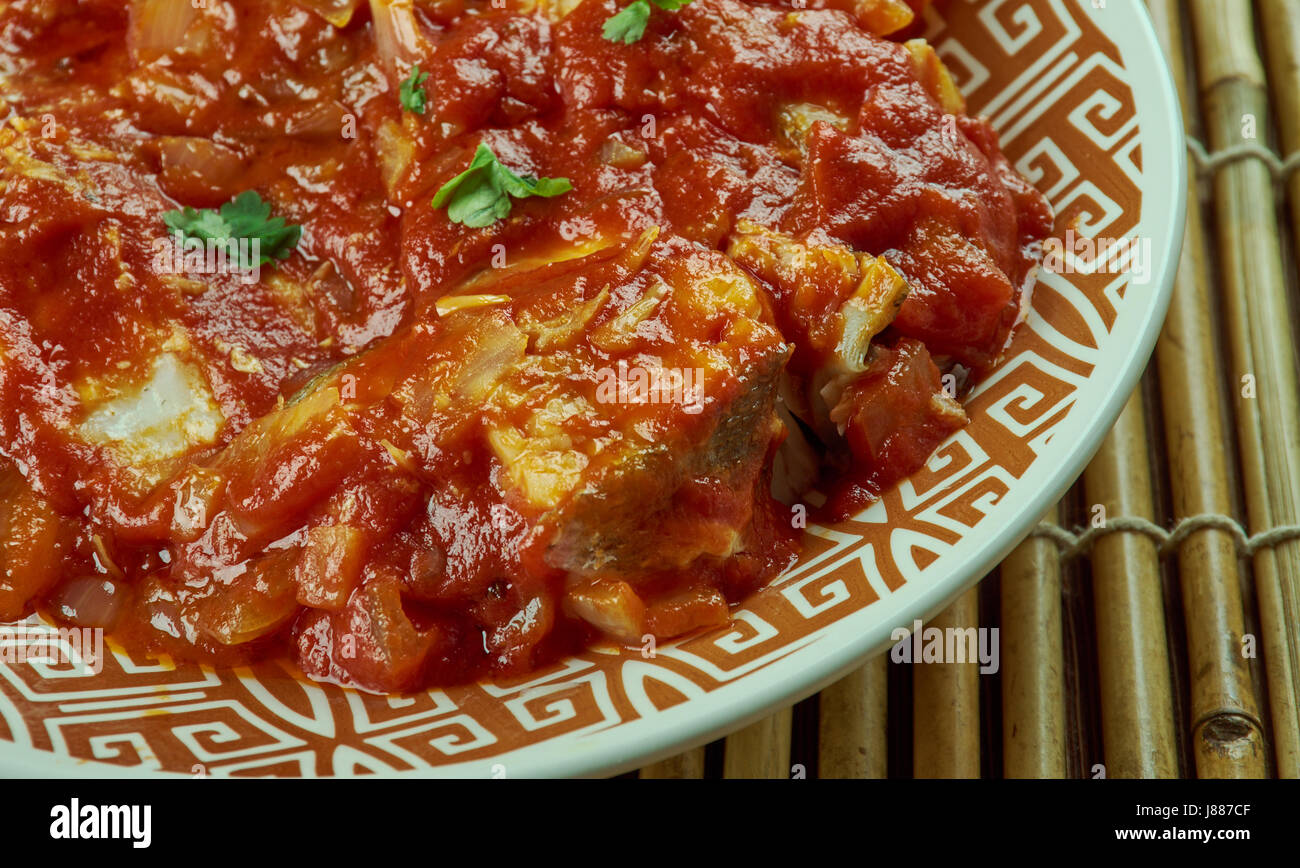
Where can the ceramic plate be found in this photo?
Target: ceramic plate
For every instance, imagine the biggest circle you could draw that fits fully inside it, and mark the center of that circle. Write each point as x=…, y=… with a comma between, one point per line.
x=1086, y=110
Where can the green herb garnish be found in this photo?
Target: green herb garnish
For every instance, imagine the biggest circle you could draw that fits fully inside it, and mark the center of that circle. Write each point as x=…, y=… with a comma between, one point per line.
x=628, y=25
x=246, y=217
x=412, y=92
x=480, y=195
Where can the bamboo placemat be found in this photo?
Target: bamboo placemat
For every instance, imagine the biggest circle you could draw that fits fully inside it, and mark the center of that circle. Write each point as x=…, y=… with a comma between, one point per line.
x=1160, y=637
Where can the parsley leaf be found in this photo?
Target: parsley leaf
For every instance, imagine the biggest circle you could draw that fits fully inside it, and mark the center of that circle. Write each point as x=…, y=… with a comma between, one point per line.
x=247, y=217
x=628, y=25
x=412, y=94
x=480, y=195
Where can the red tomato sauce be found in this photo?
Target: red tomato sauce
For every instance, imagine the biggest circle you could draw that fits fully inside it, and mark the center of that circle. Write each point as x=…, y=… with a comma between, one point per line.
x=791, y=209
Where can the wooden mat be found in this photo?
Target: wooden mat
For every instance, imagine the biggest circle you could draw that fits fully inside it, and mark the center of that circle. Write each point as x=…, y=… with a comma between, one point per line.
x=1150, y=627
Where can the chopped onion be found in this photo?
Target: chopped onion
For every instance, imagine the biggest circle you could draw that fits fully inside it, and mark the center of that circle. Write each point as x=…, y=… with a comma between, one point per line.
x=396, y=152
x=397, y=35
x=336, y=12
x=883, y=17
x=451, y=303
x=103, y=557
x=556, y=10
x=935, y=77
x=203, y=157
x=323, y=121
x=682, y=612
x=611, y=607
x=90, y=601
x=330, y=566
x=194, y=168
x=395, y=649
x=615, y=152
x=496, y=346
x=159, y=26
x=256, y=604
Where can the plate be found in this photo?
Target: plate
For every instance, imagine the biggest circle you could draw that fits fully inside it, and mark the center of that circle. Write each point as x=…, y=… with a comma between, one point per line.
x=1086, y=110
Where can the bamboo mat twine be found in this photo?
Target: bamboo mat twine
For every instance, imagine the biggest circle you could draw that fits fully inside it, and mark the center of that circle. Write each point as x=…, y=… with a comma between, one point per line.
x=1129, y=649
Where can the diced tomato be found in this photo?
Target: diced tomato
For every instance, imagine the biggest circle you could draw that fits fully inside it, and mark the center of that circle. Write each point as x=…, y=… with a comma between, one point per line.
x=292, y=479
x=893, y=416
x=960, y=303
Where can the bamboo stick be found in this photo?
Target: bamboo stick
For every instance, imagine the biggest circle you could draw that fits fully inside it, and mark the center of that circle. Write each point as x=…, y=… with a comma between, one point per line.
x=1279, y=600
x=1136, y=696
x=853, y=723
x=689, y=764
x=1233, y=94
x=946, y=712
x=760, y=750
x=1222, y=694
x=1032, y=659
x=1281, y=20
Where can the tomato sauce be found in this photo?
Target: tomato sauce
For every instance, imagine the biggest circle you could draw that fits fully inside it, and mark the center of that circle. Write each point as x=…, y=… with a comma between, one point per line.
x=390, y=454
